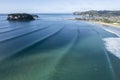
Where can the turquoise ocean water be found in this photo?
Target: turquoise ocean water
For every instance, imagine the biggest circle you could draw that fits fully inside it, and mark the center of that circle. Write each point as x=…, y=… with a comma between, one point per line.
x=54, y=47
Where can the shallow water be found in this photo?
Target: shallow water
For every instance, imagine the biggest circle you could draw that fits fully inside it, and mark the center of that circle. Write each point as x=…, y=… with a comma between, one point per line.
x=55, y=48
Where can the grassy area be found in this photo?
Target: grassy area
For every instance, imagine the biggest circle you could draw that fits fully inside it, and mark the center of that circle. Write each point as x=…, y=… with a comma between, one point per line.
x=103, y=21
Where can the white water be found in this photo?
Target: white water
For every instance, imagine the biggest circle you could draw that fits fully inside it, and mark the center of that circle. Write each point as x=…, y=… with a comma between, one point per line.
x=115, y=31
x=113, y=44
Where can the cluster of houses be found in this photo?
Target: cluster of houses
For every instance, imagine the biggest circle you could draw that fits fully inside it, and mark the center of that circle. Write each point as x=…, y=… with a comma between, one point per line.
x=95, y=17
x=100, y=18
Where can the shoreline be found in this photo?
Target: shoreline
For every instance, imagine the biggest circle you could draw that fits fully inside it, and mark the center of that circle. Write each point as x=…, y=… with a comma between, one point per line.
x=107, y=24
x=117, y=25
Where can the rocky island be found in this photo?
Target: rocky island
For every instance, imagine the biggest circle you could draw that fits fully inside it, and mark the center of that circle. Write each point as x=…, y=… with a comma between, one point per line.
x=20, y=17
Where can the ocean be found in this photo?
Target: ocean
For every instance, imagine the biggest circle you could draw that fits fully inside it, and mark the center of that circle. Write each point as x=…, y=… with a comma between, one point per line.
x=56, y=47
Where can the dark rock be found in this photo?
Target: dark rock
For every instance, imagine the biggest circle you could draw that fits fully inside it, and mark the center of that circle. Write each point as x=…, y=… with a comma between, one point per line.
x=20, y=17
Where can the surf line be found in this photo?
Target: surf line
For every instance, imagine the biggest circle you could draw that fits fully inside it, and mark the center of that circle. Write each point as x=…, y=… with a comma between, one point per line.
x=107, y=56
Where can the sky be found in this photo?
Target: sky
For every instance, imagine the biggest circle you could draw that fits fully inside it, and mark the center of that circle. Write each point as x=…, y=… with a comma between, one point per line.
x=56, y=6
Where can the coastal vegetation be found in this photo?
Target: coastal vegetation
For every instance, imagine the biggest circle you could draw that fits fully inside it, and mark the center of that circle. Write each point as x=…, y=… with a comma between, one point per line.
x=104, y=13
x=111, y=17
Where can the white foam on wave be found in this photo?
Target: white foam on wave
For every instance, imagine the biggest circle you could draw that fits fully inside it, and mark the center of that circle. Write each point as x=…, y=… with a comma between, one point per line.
x=113, y=46
x=113, y=32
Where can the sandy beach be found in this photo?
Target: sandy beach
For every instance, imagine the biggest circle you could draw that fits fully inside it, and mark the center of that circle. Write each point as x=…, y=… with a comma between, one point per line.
x=117, y=25
x=107, y=24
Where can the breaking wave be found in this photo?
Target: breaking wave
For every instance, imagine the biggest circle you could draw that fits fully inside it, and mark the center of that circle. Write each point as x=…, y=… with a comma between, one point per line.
x=112, y=44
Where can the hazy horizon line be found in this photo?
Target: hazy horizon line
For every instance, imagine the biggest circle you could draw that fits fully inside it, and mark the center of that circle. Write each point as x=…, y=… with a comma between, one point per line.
x=55, y=12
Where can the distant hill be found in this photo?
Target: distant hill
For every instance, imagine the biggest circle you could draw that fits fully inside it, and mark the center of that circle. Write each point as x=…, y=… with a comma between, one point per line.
x=98, y=13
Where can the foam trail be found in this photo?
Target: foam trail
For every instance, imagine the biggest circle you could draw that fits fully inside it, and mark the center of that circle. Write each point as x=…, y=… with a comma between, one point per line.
x=113, y=32
x=113, y=46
